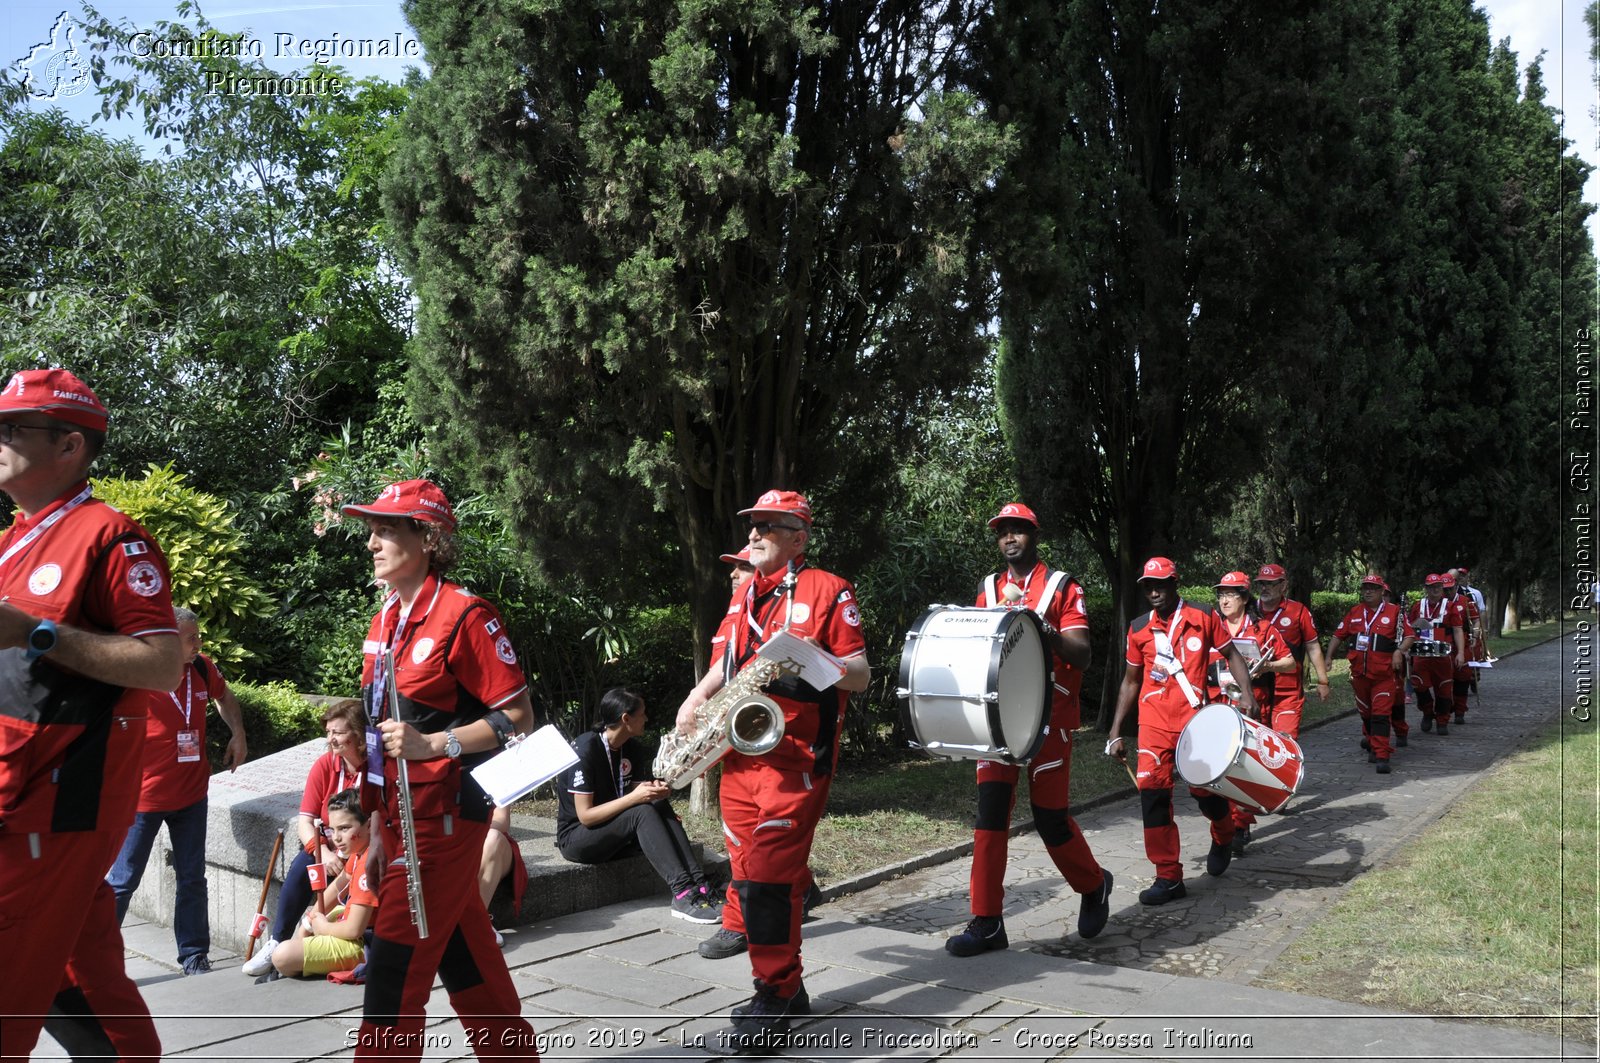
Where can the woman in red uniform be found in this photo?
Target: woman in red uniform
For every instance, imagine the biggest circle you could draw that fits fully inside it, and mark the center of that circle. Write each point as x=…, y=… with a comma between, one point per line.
x=461, y=696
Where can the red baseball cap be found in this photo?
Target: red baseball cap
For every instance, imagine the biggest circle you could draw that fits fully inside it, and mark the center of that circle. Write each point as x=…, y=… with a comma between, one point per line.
x=1374, y=579
x=1447, y=579
x=1271, y=572
x=418, y=499
x=1236, y=580
x=1464, y=571
x=790, y=502
x=1014, y=511
x=741, y=558
x=1159, y=568
x=1434, y=580
x=56, y=393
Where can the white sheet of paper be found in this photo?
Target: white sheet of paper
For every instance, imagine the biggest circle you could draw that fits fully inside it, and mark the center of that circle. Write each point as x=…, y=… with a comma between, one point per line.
x=1249, y=648
x=525, y=764
x=814, y=664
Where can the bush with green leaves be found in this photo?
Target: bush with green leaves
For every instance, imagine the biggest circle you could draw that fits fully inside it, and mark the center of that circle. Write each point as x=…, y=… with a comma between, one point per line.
x=276, y=717
x=204, y=550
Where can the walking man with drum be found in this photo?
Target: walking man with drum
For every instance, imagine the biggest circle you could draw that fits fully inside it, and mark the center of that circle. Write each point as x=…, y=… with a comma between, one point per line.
x=1057, y=599
x=1438, y=622
x=1168, y=649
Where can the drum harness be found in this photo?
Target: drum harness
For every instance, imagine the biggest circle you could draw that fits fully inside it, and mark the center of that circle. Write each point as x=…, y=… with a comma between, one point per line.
x=1053, y=584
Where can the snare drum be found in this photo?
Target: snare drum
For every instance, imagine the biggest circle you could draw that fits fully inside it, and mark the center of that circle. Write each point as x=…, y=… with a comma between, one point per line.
x=1235, y=757
x=1432, y=648
x=975, y=683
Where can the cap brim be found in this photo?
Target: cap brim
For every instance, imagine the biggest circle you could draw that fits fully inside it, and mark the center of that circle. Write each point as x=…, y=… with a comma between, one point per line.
x=775, y=513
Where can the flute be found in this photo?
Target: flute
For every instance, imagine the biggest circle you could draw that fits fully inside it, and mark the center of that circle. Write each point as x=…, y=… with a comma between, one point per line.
x=408, y=825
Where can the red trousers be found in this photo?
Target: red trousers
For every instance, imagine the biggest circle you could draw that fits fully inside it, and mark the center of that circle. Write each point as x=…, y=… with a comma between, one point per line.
x=1049, y=774
x=1157, y=748
x=1375, y=700
x=1433, y=678
x=769, y=816
x=459, y=948
x=59, y=930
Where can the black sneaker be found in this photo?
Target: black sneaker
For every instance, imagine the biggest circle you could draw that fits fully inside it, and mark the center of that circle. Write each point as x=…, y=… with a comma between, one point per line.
x=1163, y=890
x=763, y=1024
x=1444, y=728
x=1366, y=745
x=984, y=934
x=1218, y=859
x=722, y=944
x=1383, y=765
x=197, y=965
x=692, y=905
x=1427, y=724
x=1095, y=908
x=1461, y=718
x=1401, y=741
x=1241, y=838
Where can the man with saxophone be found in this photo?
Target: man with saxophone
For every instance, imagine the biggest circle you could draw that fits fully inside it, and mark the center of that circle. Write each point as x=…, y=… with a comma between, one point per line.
x=771, y=804
x=1057, y=599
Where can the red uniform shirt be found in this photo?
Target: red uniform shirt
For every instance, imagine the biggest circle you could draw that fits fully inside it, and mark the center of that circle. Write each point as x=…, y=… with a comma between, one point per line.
x=329, y=775
x=1193, y=631
x=1293, y=624
x=1264, y=638
x=69, y=758
x=1383, y=629
x=1064, y=611
x=719, y=641
x=358, y=891
x=453, y=664
x=824, y=608
x=1434, y=621
x=176, y=769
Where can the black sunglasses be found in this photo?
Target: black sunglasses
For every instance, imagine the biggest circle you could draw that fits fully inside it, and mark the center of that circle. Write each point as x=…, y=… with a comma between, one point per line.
x=9, y=429
x=764, y=527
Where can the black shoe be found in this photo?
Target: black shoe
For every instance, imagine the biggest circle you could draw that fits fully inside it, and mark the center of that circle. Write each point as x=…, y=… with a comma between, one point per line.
x=1095, y=908
x=1218, y=859
x=984, y=934
x=1444, y=728
x=812, y=899
x=722, y=944
x=1366, y=745
x=1163, y=890
x=763, y=1024
x=1461, y=718
x=1427, y=724
x=1372, y=758
x=197, y=965
x=1401, y=741
x=1241, y=838
x=1383, y=765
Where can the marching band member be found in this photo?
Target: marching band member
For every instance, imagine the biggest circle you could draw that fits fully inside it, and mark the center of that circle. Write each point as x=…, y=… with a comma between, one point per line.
x=771, y=804
x=1433, y=678
x=1380, y=636
x=1293, y=624
x=1267, y=658
x=86, y=629
x=462, y=696
x=1057, y=599
x=1168, y=649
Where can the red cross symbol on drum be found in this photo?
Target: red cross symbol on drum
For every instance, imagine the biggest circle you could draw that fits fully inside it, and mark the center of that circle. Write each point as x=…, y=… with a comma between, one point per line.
x=1270, y=744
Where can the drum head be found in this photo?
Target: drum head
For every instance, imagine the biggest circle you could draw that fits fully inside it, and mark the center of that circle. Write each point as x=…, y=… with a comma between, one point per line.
x=1209, y=744
x=1022, y=679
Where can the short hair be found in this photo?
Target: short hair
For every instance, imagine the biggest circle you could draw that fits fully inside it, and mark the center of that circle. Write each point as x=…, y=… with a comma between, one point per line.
x=185, y=616
x=446, y=550
x=614, y=705
x=349, y=711
x=346, y=801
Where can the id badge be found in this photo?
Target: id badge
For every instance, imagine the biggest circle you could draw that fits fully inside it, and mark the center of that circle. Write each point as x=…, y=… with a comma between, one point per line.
x=188, y=747
x=1363, y=643
x=374, y=757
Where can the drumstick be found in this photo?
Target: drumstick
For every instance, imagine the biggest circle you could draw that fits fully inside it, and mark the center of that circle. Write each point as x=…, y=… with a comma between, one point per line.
x=266, y=883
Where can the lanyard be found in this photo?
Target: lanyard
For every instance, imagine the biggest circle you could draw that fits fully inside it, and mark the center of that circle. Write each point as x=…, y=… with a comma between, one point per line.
x=45, y=525
x=755, y=632
x=1174, y=632
x=1368, y=621
x=397, y=639
x=188, y=697
x=614, y=758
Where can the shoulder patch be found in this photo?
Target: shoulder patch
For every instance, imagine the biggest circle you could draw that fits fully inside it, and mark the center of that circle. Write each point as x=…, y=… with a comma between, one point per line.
x=1140, y=622
x=492, y=627
x=134, y=549
x=844, y=596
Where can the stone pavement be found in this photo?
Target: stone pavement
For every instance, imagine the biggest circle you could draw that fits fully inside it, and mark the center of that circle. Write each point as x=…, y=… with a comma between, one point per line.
x=624, y=982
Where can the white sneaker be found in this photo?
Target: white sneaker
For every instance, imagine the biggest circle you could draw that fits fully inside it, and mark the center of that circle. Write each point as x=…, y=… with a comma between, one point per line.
x=499, y=938
x=261, y=962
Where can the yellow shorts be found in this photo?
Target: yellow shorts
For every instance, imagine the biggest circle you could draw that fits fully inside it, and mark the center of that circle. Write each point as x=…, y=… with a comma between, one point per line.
x=325, y=953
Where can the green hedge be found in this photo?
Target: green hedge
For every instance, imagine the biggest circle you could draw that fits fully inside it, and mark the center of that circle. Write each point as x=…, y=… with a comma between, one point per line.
x=275, y=718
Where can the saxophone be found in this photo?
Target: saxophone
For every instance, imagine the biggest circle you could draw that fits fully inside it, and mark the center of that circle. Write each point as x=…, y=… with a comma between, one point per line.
x=408, y=823
x=737, y=717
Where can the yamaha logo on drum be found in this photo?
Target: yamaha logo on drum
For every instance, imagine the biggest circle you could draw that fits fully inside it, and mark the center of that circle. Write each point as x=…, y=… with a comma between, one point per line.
x=1012, y=639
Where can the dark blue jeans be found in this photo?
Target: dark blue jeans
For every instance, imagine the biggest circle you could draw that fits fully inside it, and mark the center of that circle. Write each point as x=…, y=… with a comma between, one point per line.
x=186, y=828
x=294, y=898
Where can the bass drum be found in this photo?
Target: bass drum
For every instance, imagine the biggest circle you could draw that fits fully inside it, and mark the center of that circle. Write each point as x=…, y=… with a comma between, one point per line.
x=975, y=684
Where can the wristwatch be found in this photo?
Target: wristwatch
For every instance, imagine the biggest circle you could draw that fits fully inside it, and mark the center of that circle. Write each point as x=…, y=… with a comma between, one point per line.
x=41, y=640
x=452, y=745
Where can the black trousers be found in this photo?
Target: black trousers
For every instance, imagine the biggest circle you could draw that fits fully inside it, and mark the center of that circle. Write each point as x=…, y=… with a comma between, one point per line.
x=652, y=827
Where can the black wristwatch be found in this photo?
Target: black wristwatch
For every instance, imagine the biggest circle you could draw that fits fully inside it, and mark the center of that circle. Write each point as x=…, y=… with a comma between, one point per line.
x=41, y=640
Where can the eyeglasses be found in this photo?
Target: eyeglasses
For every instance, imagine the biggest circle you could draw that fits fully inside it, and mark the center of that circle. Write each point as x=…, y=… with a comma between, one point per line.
x=765, y=527
x=9, y=429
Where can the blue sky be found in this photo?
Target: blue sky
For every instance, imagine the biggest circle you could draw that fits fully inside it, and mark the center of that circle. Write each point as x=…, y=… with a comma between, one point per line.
x=1553, y=26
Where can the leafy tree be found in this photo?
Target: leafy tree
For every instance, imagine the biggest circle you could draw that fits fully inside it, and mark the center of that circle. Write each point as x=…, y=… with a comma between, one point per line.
x=670, y=253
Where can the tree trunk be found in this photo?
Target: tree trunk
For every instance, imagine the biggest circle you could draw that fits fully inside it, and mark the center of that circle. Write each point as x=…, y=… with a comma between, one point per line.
x=1513, y=617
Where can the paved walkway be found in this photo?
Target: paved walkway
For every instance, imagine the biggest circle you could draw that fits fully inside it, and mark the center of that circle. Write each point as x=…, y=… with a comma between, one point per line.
x=1171, y=983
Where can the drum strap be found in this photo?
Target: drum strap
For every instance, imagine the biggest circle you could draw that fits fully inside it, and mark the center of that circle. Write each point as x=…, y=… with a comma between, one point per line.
x=1164, y=648
x=1053, y=584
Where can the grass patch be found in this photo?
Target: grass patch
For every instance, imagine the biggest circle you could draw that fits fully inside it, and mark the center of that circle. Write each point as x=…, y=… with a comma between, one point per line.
x=1490, y=912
